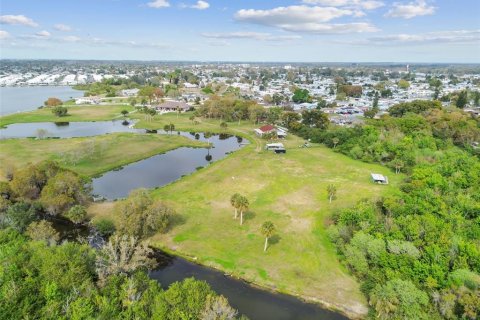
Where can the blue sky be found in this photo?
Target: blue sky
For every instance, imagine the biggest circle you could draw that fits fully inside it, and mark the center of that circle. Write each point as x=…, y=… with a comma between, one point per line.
x=242, y=30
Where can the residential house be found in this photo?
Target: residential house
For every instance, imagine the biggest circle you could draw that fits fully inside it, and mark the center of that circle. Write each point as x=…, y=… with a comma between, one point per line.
x=173, y=106
x=268, y=129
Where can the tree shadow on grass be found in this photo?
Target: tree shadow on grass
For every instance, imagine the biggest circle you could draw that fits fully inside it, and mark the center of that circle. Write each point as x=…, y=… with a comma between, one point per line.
x=175, y=221
x=249, y=215
x=274, y=239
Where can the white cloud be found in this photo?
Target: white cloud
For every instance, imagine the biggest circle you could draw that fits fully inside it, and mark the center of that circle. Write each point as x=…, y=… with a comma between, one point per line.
x=410, y=10
x=123, y=43
x=159, y=4
x=201, y=5
x=70, y=39
x=4, y=34
x=17, y=20
x=218, y=43
x=45, y=37
x=250, y=35
x=291, y=15
x=305, y=19
x=362, y=4
x=62, y=27
x=43, y=34
x=453, y=36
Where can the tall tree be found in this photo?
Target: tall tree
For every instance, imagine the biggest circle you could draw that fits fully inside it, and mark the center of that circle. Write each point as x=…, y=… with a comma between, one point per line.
x=462, y=99
x=332, y=191
x=123, y=255
x=234, y=202
x=315, y=118
x=335, y=141
x=169, y=128
x=148, y=92
x=243, y=205
x=52, y=102
x=268, y=230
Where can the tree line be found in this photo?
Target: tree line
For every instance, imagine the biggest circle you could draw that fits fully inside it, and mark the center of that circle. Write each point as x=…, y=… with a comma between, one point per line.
x=50, y=278
x=416, y=252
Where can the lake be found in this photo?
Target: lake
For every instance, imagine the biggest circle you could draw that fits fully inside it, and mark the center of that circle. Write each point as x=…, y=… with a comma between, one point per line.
x=19, y=99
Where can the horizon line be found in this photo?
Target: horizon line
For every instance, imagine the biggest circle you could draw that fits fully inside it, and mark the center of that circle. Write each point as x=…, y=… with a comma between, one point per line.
x=244, y=61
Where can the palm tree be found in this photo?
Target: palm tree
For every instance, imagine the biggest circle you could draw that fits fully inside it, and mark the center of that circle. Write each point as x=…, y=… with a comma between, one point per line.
x=398, y=165
x=335, y=142
x=243, y=205
x=207, y=135
x=234, y=202
x=268, y=229
x=169, y=128
x=332, y=191
x=384, y=303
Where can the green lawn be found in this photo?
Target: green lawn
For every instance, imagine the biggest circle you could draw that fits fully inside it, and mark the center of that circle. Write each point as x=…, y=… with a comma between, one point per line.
x=90, y=156
x=290, y=191
x=75, y=113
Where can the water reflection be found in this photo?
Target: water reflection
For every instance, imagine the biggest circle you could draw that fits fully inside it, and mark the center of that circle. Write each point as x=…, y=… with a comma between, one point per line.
x=255, y=303
x=67, y=129
x=164, y=168
x=252, y=302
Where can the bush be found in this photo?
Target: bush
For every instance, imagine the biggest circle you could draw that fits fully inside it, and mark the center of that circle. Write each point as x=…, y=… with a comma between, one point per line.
x=17, y=216
x=105, y=227
x=43, y=231
x=141, y=215
x=76, y=214
x=60, y=111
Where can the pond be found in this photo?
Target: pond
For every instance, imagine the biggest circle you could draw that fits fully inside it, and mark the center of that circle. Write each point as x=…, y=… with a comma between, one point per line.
x=66, y=129
x=164, y=168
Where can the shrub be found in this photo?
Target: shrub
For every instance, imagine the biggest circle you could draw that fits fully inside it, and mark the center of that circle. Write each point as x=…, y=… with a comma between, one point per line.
x=105, y=227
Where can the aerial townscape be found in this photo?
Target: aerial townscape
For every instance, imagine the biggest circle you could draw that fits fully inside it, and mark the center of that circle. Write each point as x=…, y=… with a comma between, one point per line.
x=314, y=159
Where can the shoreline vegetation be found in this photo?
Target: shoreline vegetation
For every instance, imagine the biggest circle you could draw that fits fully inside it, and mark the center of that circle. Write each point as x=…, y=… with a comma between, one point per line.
x=75, y=113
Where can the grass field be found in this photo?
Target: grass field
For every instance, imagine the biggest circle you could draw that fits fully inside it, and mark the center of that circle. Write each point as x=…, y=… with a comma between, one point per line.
x=75, y=113
x=290, y=191
x=90, y=156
